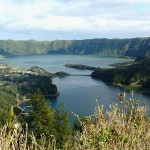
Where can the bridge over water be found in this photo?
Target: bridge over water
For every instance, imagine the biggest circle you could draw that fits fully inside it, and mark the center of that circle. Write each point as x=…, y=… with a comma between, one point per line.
x=80, y=75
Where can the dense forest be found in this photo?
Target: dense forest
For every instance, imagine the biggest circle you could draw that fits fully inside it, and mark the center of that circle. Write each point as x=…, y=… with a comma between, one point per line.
x=134, y=74
x=135, y=47
x=16, y=89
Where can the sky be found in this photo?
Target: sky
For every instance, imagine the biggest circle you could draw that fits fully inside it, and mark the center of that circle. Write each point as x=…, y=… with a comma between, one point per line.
x=74, y=19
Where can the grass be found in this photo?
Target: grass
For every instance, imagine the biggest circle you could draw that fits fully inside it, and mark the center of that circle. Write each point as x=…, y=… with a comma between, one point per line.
x=17, y=138
x=125, y=127
x=130, y=87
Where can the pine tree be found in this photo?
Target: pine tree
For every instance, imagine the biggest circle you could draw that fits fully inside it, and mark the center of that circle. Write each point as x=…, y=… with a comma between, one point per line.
x=42, y=116
x=62, y=126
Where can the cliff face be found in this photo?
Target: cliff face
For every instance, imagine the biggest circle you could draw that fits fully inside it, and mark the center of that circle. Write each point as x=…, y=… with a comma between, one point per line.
x=127, y=47
x=24, y=47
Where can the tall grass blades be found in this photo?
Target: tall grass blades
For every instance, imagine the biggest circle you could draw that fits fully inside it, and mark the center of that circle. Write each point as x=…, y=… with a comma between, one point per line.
x=125, y=127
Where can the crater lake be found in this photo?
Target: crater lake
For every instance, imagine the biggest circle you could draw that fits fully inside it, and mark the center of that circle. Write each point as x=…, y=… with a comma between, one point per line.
x=78, y=93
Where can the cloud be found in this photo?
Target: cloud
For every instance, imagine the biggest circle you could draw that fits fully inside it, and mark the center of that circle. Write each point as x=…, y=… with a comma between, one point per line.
x=75, y=18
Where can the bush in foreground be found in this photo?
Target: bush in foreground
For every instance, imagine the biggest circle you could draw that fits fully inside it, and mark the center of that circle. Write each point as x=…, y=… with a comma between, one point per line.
x=124, y=127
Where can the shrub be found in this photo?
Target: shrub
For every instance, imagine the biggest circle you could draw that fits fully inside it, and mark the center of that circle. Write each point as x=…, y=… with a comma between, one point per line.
x=125, y=127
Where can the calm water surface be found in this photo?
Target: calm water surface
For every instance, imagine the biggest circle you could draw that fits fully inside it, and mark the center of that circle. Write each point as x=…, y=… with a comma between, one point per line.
x=78, y=93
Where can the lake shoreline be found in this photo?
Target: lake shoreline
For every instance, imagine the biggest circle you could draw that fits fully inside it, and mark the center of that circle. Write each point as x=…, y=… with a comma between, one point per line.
x=76, y=92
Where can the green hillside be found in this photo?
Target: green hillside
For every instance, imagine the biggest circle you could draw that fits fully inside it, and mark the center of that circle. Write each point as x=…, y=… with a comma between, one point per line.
x=24, y=47
x=135, y=47
x=135, y=75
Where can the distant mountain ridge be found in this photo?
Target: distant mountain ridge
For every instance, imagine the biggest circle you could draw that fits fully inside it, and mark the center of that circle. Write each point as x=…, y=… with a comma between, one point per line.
x=135, y=47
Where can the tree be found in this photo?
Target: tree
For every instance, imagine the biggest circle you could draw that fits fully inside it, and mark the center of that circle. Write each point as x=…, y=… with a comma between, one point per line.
x=42, y=117
x=44, y=120
x=62, y=126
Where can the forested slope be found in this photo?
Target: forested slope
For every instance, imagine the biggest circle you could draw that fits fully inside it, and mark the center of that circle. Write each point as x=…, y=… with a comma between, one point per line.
x=137, y=73
x=135, y=47
x=24, y=47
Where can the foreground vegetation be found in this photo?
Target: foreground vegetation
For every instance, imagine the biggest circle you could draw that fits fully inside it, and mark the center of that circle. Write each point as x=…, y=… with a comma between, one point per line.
x=41, y=122
x=125, y=126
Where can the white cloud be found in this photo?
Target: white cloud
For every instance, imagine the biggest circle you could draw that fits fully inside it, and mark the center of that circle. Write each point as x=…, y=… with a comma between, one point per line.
x=94, y=17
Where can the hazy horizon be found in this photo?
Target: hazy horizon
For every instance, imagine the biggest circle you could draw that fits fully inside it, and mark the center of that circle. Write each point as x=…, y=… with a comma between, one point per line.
x=72, y=39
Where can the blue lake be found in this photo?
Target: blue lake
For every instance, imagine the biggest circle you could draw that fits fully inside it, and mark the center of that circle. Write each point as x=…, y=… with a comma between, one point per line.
x=78, y=93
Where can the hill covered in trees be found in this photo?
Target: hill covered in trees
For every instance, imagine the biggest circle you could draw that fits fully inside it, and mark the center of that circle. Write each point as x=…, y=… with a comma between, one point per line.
x=136, y=74
x=17, y=86
x=24, y=47
x=135, y=47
